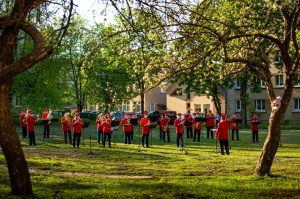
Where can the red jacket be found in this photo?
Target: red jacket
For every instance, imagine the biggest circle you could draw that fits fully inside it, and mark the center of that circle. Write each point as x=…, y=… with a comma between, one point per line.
x=222, y=130
x=210, y=120
x=178, y=126
x=65, y=124
x=22, y=120
x=30, y=120
x=254, y=127
x=197, y=125
x=234, y=126
x=77, y=125
x=145, y=126
x=127, y=126
x=165, y=124
x=188, y=118
x=107, y=125
x=99, y=124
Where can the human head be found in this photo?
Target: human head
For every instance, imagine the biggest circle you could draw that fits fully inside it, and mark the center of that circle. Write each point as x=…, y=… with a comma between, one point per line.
x=145, y=114
x=161, y=115
x=197, y=113
x=127, y=115
x=223, y=117
x=178, y=115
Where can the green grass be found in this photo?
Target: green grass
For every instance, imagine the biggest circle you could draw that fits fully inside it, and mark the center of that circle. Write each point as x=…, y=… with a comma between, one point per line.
x=163, y=171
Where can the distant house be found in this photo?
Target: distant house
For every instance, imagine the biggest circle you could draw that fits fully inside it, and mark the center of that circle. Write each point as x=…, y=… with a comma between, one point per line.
x=260, y=101
x=180, y=102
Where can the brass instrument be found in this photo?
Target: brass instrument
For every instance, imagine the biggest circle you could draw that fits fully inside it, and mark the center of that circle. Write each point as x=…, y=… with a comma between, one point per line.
x=197, y=124
x=49, y=116
x=167, y=125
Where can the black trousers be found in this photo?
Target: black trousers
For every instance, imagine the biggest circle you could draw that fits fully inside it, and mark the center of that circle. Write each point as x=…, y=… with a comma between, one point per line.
x=108, y=136
x=160, y=133
x=46, y=130
x=189, y=132
x=224, y=143
x=208, y=130
x=179, y=140
x=197, y=134
x=127, y=137
x=31, y=138
x=237, y=134
x=76, y=139
x=67, y=134
x=168, y=135
x=255, y=136
x=147, y=140
x=24, y=131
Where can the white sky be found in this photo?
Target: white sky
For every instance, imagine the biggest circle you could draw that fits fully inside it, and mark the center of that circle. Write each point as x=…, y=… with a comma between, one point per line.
x=92, y=10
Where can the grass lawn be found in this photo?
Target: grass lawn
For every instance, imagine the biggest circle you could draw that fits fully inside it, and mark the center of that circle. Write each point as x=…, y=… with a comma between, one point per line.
x=162, y=171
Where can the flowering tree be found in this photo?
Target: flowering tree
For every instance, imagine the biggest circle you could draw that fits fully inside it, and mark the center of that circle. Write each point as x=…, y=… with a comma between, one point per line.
x=237, y=36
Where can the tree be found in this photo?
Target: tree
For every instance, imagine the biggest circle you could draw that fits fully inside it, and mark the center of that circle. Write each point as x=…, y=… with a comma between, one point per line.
x=239, y=34
x=15, y=21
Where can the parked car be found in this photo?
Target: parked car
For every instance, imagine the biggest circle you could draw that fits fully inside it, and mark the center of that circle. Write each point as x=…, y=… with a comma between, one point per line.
x=154, y=115
x=117, y=115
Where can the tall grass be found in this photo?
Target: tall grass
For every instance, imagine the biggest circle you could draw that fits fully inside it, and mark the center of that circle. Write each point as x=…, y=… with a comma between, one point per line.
x=162, y=171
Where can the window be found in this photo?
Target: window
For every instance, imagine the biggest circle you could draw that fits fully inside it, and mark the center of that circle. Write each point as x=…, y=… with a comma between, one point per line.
x=278, y=80
x=177, y=91
x=276, y=59
x=151, y=107
x=238, y=106
x=125, y=107
x=198, y=107
x=259, y=81
x=297, y=80
x=18, y=101
x=137, y=107
x=259, y=105
x=297, y=104
x=188, y=96
x=237, y=84
x=188, y=105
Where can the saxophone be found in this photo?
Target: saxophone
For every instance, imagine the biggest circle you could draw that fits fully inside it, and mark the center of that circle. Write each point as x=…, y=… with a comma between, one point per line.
x=167, y=125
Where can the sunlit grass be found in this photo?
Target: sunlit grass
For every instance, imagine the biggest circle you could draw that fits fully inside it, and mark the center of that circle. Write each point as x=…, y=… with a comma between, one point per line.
x=162, y=171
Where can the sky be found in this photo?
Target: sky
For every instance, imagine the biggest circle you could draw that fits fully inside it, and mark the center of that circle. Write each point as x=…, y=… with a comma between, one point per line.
x=92, y=9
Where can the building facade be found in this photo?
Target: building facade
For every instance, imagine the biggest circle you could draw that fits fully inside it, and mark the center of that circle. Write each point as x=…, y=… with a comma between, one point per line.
x=261, y=103
x=180, y=102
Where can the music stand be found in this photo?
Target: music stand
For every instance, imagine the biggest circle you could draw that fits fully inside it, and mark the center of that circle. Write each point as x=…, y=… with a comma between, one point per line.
x=214, y=131
x=171, y=122
x=237, y=121
x=200, y=119
x=90, y=152
x=85, y=125
x=134, y=121
x=152, y=126
x=187, y=123
x=255, y=122
x=115, y=123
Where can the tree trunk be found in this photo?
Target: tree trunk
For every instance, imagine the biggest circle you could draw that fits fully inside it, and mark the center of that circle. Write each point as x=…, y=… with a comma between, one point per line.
x=243, y=95
x=269, y=150
x=9, y=140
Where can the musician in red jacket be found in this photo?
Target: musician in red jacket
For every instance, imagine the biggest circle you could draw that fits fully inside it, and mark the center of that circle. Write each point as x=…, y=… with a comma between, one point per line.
x=254, y=127
x=197, y=127
x=234, y=127
x=23, y=123
x=189, y=128
x=127, y=128
x=160, y=126
x=66, y=124
x=107, y=129
x=165, y=127
x=222, y=134
x=210, y=123
x=145, y=123
x=77, y=123
x=99, y=121
x=46, y=123
x=30, y=120
x=179, y=130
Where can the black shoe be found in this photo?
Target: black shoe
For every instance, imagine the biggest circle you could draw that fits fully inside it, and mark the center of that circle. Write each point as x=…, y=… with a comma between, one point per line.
x=148, y=147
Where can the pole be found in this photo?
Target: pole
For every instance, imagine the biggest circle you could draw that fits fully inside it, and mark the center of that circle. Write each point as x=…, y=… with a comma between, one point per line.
x=90, y=152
